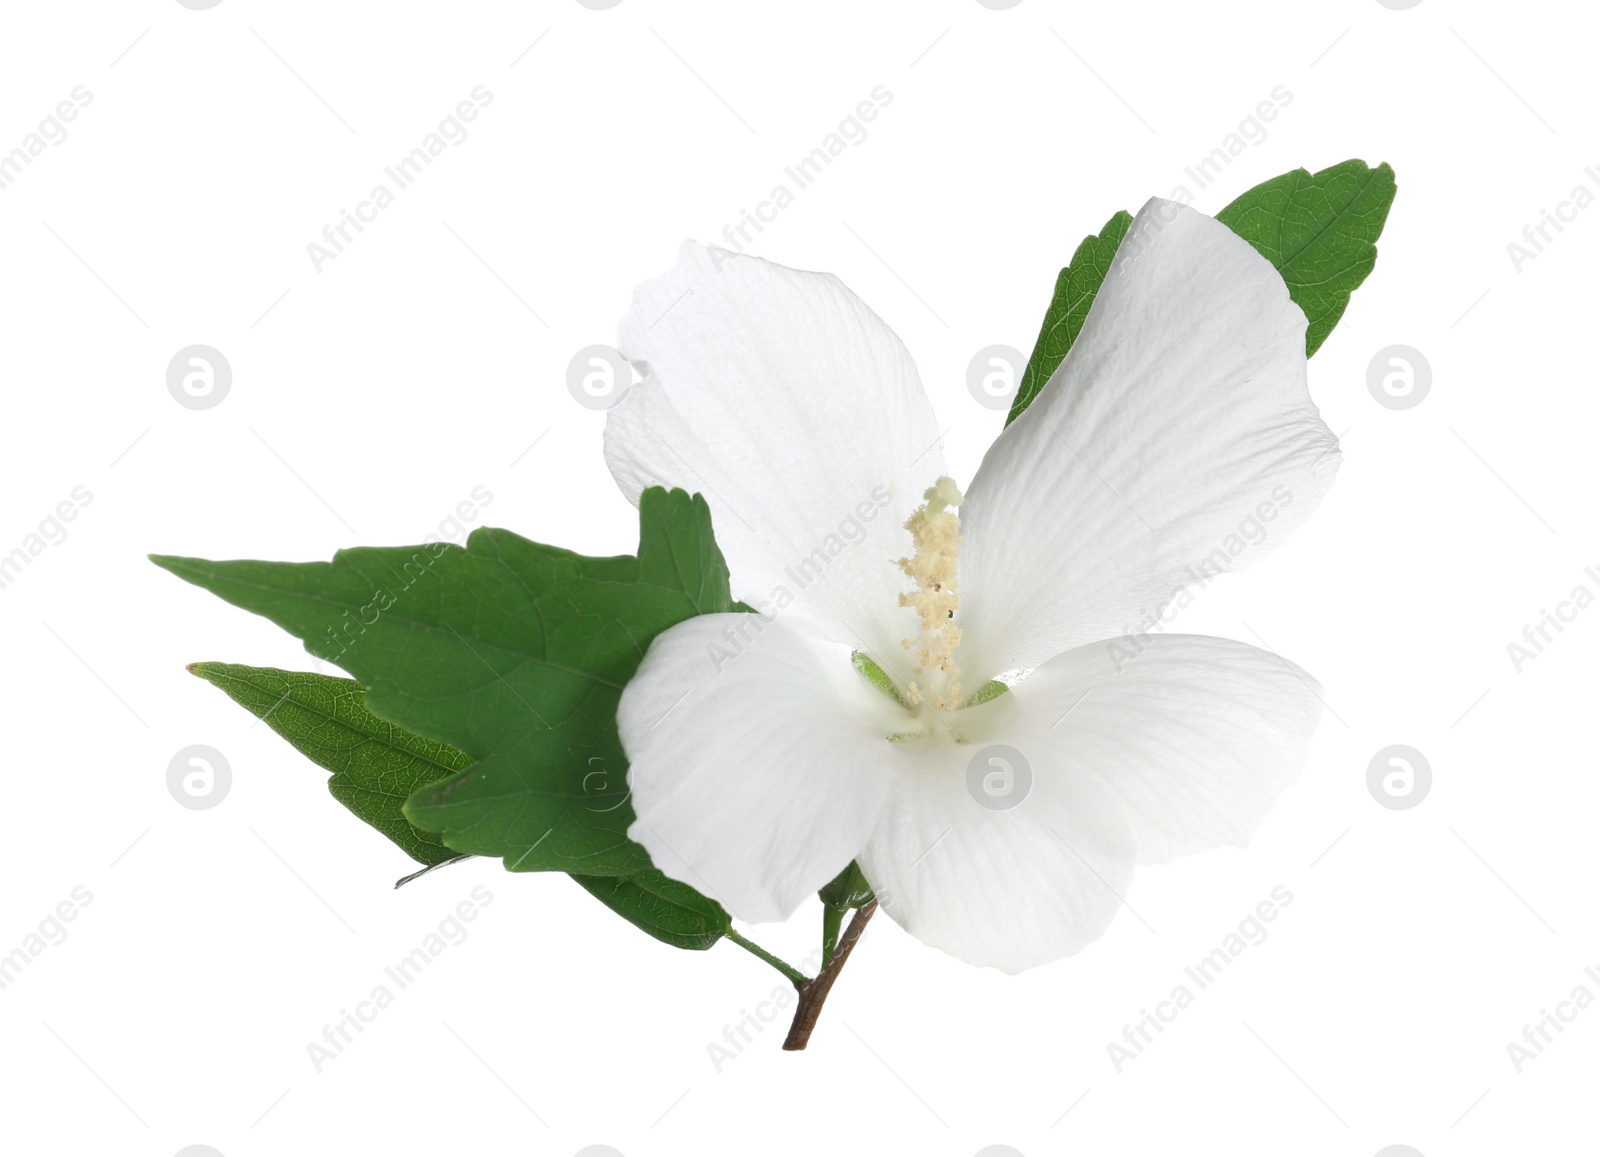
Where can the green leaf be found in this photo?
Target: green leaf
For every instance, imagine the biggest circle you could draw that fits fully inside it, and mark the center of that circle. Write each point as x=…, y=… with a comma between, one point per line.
x=849, y=889
x=1076, y=286
x=375, y=764
x=1319, y=230
x=671, y=912
x=512, y=651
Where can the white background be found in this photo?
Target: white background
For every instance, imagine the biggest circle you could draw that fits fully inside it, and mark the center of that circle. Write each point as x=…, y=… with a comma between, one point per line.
x=371, y=397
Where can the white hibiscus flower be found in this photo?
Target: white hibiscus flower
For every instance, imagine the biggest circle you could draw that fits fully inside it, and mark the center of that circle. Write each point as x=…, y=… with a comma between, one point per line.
x=767, y=753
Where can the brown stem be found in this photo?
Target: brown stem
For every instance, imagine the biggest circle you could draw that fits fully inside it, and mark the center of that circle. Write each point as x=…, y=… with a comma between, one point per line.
x=814, y=992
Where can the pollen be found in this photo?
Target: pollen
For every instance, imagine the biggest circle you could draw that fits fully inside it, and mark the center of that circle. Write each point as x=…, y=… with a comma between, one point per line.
x=936, y=536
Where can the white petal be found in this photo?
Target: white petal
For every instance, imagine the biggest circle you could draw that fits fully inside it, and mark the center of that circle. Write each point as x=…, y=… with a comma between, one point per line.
x=1175, y=442
x=757, y=769
x=1197, y=736
x=1007, y=888
x=799, y=415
